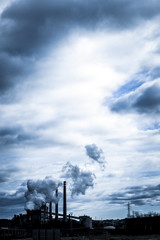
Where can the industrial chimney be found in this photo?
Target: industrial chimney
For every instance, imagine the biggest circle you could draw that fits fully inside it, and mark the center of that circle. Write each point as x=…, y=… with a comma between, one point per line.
x=50, y=210
x=64, y=203
x=56, y=206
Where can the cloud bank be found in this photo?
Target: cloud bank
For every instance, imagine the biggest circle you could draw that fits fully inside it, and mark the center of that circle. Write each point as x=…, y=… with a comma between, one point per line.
x=137, y=195
x=29, y=28
x=144, y=100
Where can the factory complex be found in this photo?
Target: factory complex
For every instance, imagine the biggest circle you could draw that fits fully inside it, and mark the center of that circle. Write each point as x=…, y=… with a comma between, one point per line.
x=46, y=223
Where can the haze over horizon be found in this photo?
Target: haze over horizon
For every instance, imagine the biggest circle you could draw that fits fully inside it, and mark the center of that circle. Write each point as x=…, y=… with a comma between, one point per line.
x=80, y=101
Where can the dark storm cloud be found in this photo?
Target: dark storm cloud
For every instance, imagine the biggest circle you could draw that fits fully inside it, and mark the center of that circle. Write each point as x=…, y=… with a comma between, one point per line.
x=28, y=28
x=147, y=100
x=6, y=173
x=15, y=135
x=138, y=195
x=4, y=176
x=9, y=68
x=11, y=204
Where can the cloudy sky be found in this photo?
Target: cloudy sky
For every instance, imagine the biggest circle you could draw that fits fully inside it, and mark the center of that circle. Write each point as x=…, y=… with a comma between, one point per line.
x=80, y=101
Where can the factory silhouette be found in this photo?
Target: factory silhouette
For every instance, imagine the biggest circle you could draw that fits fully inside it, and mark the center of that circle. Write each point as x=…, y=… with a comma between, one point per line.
x=46, y=223
x=46, y=214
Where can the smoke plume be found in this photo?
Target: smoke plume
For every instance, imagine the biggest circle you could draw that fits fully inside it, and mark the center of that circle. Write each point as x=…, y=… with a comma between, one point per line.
x=40, y=192
x=81, y=180
x=95, y=154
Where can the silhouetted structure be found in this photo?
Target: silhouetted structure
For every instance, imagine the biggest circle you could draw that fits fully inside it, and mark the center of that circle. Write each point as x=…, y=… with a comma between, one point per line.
x=64, y=202
x=45, y=224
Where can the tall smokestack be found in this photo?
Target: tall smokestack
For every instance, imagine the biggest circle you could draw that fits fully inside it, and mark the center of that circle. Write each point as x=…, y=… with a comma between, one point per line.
x=50, y=210
x=64, y=202
x=56, y=206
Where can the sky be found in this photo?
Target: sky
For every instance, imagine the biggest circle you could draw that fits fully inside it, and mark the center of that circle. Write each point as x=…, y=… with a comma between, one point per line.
x=80, y=101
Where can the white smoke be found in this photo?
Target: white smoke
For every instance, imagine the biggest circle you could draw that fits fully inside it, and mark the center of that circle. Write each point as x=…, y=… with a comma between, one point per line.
x=81, y=180
x=40, y=192
x=95, y=154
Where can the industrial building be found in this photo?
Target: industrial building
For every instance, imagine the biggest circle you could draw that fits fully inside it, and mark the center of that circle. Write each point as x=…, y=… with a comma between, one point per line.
x=47, y=214
x=47, y=221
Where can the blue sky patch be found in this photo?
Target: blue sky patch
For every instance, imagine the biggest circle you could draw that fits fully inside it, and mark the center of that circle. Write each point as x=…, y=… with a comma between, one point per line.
x=151, y=174
x=128, y=87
